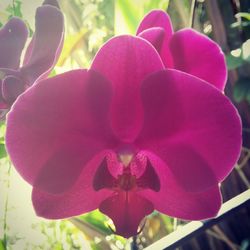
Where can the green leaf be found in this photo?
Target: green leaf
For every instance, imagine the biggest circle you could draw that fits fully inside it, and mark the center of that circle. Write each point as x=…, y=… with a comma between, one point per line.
x=157, y=4
x=2, y=245
x=52, y=73
x=96, y=219
x=245, y=244
x=17, y=9
x=241, y=89
x=58, y=246
x=14, y=9
x=239, y=56
x=129, y=13
x=3, y=152
x=233, y=62
x=246, y=50
x=245, y=15
x=125, y=17
x=248, y=95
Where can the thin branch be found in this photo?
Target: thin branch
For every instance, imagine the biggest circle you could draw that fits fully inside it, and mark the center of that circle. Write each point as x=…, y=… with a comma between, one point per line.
x=192, y=14
x=225, y=238
x=14, y=7
x=6, y=209
x=246, y=149
x=175, y=224
x=218, y=237
x=243, y=177
x=244, y=161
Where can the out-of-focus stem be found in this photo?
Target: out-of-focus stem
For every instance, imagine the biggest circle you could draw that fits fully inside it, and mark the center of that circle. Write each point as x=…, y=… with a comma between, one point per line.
x=243, y=177
x=225, y=238
x=219, y=32
x=6, y=209
x=192, y=14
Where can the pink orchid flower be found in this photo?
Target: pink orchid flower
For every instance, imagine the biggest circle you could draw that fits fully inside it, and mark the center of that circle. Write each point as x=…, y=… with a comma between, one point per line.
x=41, y=54
x=126, y=136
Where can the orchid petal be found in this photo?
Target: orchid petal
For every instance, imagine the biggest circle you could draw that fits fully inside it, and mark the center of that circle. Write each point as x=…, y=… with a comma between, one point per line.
x=75, y=201
x=126, y=61
x=126, y=209
x=198, y=55
x=12, y=40
x=57, y=126
x=12, y=87
x=103, y=177
x=158, y=19
x=198, y=130
x=155, y=36
x=175, y=201
x=3, y=104
x=46, y=44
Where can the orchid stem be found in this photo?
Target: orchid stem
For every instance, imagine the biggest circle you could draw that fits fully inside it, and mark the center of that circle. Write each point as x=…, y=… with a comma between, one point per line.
x=175, y=224
x=192, y=13
x=14, y=8
x=134, y=245
x=6, y=209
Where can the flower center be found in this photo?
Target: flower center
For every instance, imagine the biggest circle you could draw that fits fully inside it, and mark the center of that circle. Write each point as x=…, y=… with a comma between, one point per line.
x=126, y=181
x=126, y=158
x=125, y=154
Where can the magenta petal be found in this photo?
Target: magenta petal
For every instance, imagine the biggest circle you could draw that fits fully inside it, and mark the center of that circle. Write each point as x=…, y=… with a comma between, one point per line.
x=57, y=126
x=189, y=206
x=12, y=87
x=81, y=198
x=175, y=201
x=155, y=36
x=126, y=61
x=46, y=44
x=12, y=40
x=149, y=178
x=103, y=178
x=126, y=209
x=192, y=127
x=158, y=19
x=198, y=55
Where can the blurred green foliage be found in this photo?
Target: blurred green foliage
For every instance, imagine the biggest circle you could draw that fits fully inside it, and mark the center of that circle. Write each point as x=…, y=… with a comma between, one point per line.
x=9, y=11
x=129, y=13
x=239, y=56
x=241, y=90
